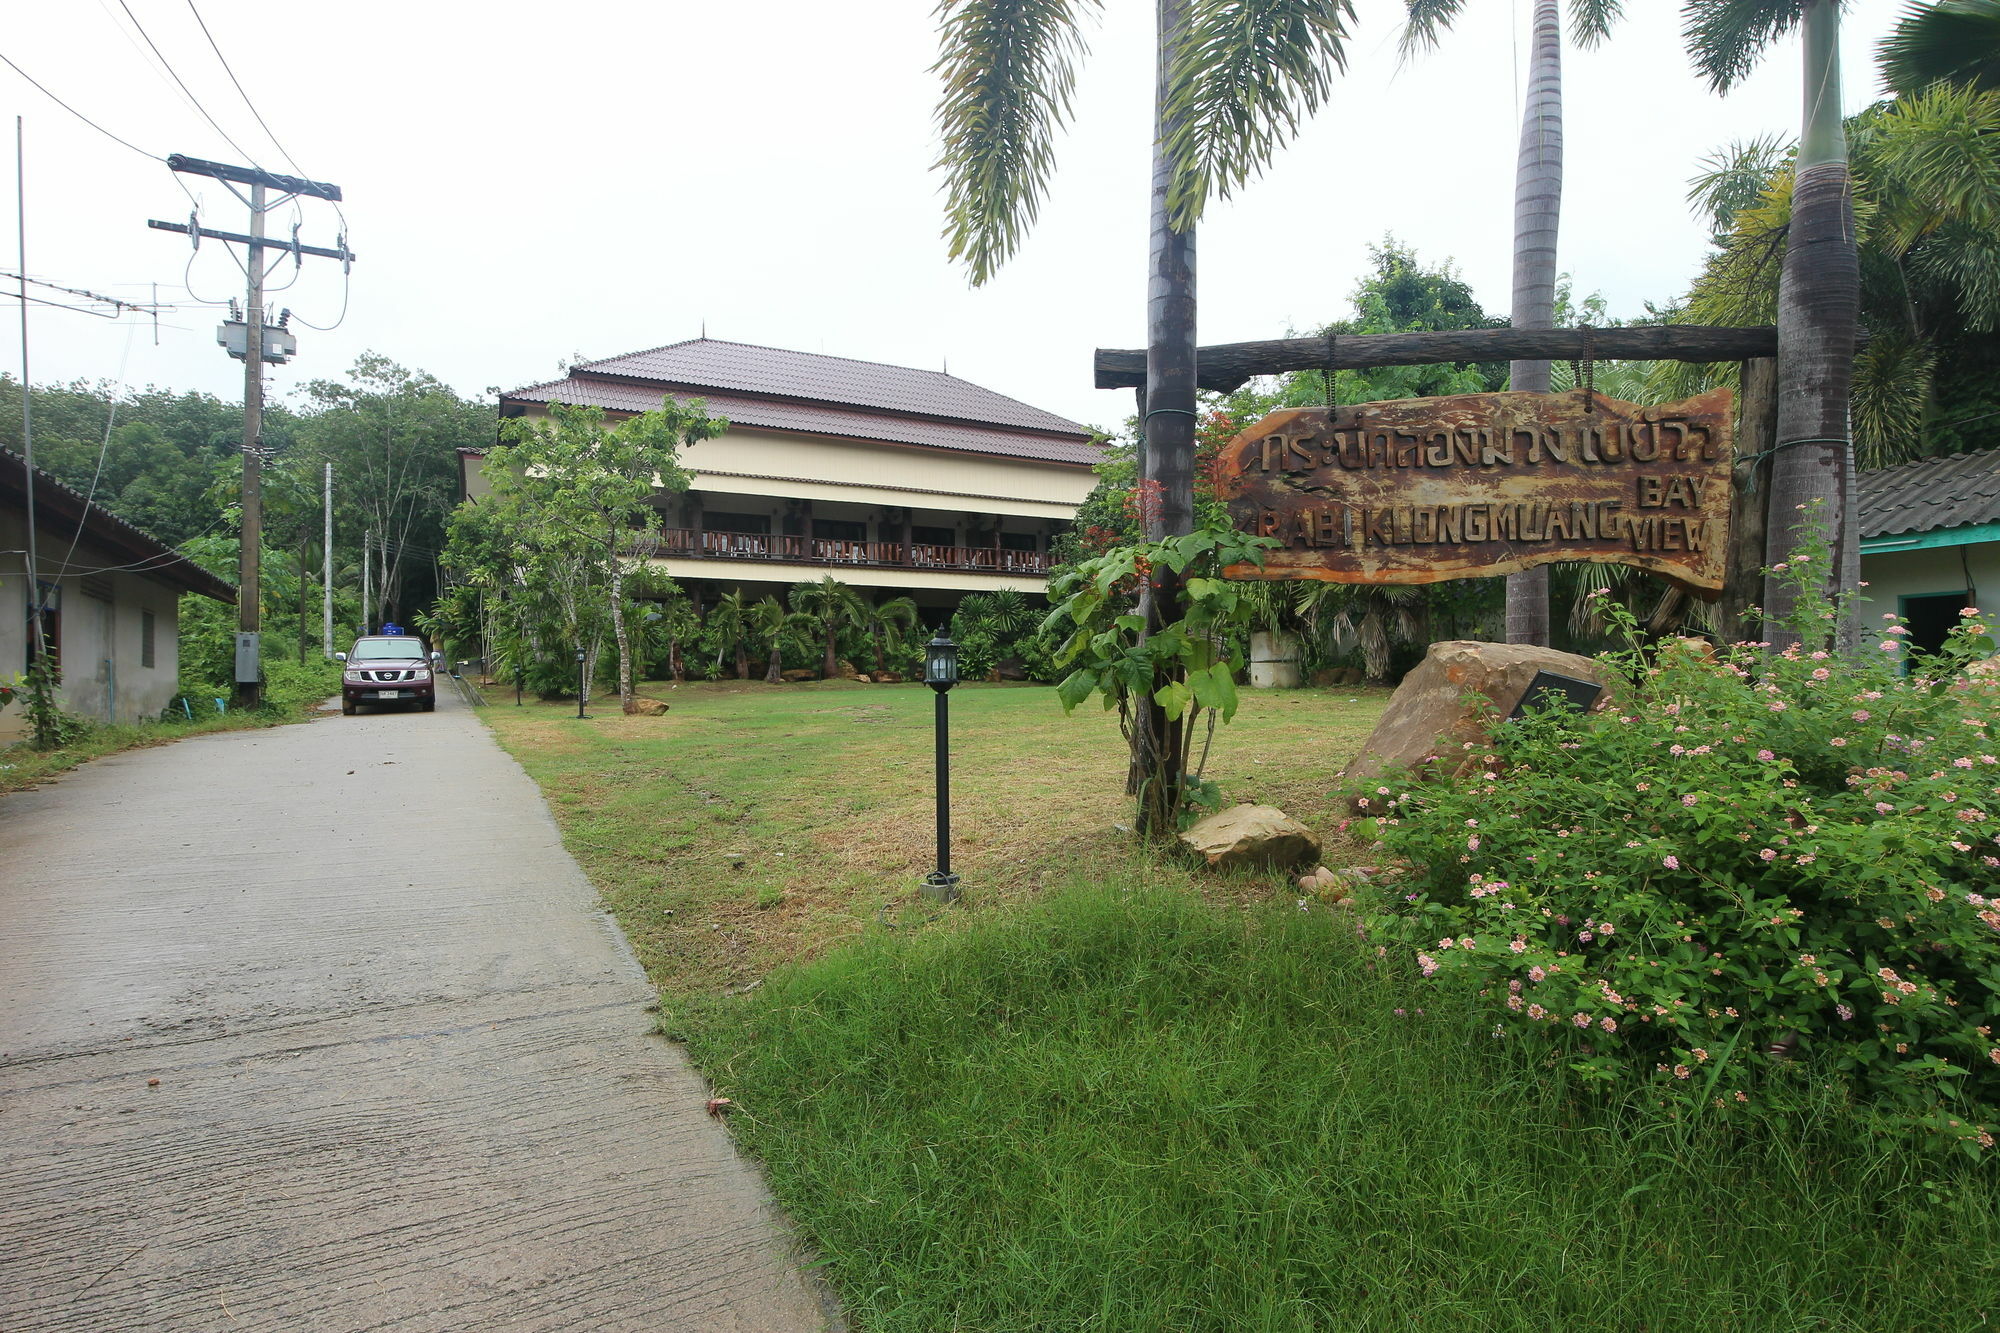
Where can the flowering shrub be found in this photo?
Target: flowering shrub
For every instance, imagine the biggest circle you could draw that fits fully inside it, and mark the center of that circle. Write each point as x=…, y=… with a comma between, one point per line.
x=1750, y=870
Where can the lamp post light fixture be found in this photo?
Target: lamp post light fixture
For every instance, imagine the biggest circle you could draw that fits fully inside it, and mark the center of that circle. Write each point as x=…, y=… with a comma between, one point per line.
x=941, y=673
x=579, y=684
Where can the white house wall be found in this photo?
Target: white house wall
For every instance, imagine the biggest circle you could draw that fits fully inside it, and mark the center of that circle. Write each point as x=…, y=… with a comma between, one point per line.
x=102, y=626
x=1973, y=569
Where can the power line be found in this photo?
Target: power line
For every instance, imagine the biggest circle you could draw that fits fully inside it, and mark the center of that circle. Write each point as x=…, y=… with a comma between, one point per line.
x=264, y=125
x=166, y=65
x=78, y=114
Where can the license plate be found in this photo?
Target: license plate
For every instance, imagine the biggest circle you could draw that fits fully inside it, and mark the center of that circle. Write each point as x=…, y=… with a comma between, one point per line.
x=388, y=694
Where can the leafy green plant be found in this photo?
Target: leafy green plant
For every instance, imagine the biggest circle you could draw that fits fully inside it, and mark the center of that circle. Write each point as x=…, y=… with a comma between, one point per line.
x=1113, y=651
x=1752, y=874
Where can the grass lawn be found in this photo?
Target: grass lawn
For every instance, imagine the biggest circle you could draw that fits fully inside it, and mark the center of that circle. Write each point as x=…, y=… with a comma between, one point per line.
x=756, y=824
x=1117, y=1095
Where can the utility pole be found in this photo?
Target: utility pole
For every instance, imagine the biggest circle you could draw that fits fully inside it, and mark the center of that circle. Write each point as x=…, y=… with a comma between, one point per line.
x=367, y=550
x=250, y=551
x=326, y=572
x=37, y=643
x=249, y=609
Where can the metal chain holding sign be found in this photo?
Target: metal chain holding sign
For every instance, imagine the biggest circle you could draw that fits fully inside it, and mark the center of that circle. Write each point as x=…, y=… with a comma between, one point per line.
x=1584, y=372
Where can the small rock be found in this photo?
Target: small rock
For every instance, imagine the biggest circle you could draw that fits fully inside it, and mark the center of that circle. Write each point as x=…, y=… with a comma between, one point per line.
x=152, y=1083
x=1252, y=835
x=734, y=858
x=720, y=1106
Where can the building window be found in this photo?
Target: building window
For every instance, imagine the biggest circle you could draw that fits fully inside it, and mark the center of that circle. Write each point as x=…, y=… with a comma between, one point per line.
x=1931, y=618
x=714, y=522
x=1017, y=541
x=840, y=530
x=933, y=536
x=146, y=638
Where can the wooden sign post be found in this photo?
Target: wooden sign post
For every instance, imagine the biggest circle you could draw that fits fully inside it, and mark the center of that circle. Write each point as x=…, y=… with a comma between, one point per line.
x=1424, y=489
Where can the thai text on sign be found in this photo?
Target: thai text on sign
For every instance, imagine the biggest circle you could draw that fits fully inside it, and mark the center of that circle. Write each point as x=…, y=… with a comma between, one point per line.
x=1423, y=489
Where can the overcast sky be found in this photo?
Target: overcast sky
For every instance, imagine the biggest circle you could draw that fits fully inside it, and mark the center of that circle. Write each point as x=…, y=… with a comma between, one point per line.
x=525, y=181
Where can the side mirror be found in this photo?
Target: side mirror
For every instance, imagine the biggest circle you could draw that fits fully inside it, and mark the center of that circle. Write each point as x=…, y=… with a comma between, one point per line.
x=437, y=659
x=340, y=657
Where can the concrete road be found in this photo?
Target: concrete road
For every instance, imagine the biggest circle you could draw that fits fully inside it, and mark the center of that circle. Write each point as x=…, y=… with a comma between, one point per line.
x=404, y=1076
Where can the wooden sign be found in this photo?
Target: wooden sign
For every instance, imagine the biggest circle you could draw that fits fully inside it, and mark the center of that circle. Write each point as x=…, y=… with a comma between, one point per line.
x=1424, y=489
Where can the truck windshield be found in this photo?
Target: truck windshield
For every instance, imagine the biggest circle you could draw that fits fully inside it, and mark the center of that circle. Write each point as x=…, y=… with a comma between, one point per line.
x=387, y=650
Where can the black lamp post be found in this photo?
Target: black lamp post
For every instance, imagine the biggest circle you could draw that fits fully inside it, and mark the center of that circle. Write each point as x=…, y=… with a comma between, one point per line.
x=941, y=673
x=579, y=684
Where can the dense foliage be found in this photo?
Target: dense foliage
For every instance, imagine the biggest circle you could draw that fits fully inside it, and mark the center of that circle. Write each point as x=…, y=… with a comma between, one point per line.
x=1750, y=874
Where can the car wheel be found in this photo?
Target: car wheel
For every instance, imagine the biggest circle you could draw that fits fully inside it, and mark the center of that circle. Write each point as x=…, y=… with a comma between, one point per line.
x=429, y=705
x=347, y=708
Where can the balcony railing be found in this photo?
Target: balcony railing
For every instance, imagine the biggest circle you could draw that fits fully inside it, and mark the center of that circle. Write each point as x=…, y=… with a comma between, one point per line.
x=688, y=543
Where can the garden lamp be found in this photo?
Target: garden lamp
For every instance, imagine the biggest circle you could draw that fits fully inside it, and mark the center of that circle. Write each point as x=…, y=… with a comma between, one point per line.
x=941, y=673
x=579, y=683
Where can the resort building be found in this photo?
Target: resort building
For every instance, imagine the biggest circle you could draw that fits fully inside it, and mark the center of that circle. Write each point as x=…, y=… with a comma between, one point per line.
x=898, y=481
x=1930, y=542
x=110, y=597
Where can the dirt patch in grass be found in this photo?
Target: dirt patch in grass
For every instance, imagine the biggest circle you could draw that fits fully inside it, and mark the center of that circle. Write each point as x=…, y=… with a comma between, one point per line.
x=755, y=824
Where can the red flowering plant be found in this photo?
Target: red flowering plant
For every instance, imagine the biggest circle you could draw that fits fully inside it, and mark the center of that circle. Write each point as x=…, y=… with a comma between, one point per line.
x=1752, y=872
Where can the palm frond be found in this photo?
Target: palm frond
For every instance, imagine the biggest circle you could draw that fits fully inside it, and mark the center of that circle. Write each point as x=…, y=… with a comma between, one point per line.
x=1892, y=389
x=1735, y=177
x=1590, y=20
x=1009, y=72
x=1425, y=24
x=1726, y=38
x=1956, y=41
x=1245, y=75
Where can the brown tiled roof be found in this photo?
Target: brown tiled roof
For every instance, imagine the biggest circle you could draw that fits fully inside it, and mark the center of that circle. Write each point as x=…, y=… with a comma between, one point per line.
x=823, y=395
x=709, y=363
x=137, y=552
x=1932, y=493
x=818, y=419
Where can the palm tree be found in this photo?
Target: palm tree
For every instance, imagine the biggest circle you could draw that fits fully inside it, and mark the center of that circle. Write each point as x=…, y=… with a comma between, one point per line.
x=1955, y=41
x=1538, y=181
x=1233, y=79
x=1926, y=203
x=897, y=616
x=832, y=606
x=779, y=629
x=1812, y=472
x=1377, y=616
x=728, y=620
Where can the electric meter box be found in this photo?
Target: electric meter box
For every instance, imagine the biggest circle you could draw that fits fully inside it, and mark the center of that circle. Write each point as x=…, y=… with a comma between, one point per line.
x=249, y=666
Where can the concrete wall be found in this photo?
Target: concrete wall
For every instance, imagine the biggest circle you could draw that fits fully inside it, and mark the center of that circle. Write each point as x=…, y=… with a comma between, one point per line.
x=1973, y=569
x=750, y=462
x=101, y=630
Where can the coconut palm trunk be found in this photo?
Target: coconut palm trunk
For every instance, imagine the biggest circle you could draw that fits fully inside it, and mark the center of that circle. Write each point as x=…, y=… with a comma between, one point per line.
x=1167, y=463
x=1812, y=472
x=1538, y=177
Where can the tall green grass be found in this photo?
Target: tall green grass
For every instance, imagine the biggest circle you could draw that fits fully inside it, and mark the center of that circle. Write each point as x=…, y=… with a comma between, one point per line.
x=1125, y=1109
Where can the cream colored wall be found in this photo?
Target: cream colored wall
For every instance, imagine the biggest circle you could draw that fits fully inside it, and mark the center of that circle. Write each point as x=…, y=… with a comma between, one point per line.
x=746, y=461
x=1973, y=569
x=102, y=675
x=749, y=462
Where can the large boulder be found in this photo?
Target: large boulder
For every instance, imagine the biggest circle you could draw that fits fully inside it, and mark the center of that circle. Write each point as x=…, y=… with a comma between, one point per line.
x=644, y=707
x=798, y=674
x=1430, y=715
x=1252, y=835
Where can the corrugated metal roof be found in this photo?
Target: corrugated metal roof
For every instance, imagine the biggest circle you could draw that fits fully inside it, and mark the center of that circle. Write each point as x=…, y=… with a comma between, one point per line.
x=140, y=551
x=1930, y=494
x=820, y=419
x=709, y=363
